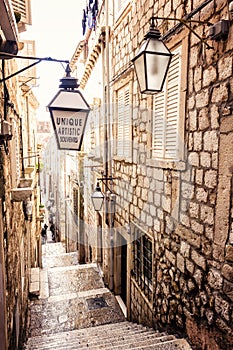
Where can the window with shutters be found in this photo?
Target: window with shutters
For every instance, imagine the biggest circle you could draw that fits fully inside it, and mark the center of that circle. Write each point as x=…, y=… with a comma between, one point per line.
x=120, y=5
x=124, y=123
x=166, y=115
x=15, y=153
x=28, y=76
x=24, y=8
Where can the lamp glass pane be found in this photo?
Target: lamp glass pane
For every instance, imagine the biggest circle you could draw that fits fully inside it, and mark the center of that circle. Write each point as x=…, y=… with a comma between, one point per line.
x=139, y=65
x=156, y=45
x=143, y=47
x=69, y=127
x=156, y=66
x=97, y=200
x=69, y=99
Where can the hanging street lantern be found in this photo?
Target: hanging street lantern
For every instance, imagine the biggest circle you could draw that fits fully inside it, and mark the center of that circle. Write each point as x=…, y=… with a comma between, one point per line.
x=97, y=198
x=152, y=62
x=69, y=111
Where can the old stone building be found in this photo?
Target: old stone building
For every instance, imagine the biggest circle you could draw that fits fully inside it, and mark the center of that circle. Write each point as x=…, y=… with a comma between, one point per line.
x=20, y=195
x=166, y=248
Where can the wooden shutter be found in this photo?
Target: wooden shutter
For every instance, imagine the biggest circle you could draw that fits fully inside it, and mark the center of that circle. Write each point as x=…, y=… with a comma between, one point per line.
x=158, y=125
x=166, y=113
x=24, y=8
x=124, y=137
x=120, y=6
x=28, y=76
x=172, y=107
x=120, y=123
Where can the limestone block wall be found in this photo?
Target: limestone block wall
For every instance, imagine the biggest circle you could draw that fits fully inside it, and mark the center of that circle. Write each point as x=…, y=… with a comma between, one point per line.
x=16, y=231
x=186, y=207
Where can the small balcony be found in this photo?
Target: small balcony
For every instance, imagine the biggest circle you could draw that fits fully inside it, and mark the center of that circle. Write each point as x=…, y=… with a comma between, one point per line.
x=23, y=191
x=20, y=194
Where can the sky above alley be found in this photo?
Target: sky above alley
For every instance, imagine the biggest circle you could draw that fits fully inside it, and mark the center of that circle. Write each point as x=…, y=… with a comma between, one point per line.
x=57, y=29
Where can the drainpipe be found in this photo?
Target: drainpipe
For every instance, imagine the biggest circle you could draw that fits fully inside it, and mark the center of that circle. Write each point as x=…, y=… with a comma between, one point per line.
x=108, y=163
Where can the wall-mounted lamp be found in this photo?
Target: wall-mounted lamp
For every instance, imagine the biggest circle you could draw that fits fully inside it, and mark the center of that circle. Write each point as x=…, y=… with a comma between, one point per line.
x=97, y=198
x=152, y=61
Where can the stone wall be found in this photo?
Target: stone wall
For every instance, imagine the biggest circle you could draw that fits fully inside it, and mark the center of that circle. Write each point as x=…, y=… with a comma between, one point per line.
x=16, y=231
x=187, y=208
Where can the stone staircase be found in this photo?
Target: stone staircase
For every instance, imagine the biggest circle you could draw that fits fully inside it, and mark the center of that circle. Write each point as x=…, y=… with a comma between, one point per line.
x=75, y=311
x=122, y=335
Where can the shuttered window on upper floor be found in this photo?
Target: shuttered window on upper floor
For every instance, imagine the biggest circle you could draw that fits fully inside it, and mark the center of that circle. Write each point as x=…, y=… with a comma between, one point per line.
x=124, y=123
x=29, y=75
x=24, y=8
x=120, y=5
x=165, y=130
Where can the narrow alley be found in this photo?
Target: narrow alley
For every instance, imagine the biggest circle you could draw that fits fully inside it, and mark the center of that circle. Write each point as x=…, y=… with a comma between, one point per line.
x=74, y=310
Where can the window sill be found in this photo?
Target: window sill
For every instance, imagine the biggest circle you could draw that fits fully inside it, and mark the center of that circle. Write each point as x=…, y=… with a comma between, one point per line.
x=122, y=159
x=167, y=164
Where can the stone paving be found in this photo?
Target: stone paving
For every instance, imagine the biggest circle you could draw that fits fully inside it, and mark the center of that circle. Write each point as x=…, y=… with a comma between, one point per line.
x=72, y=296
x=75, y=311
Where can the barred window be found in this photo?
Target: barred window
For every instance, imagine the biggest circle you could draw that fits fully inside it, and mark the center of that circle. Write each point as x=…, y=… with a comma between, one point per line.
x=142, y=263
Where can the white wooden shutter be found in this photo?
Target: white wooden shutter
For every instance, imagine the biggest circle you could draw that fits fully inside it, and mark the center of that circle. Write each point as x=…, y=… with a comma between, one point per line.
x=24, y=8
x=120, y=123
x=28, y=76
x=166, y=113
x=172, y=110
x=120, y=6
x=127, y=125
x=124, y=137
x=158, y=125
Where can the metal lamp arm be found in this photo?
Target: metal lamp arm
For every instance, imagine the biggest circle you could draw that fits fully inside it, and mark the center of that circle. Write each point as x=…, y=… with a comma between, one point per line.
x=185, y=22
x=38, y=60
x=103, y=179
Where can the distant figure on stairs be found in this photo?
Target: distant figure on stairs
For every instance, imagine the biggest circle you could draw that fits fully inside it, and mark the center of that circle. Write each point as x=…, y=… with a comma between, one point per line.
x=44, y=233
x=52, y=229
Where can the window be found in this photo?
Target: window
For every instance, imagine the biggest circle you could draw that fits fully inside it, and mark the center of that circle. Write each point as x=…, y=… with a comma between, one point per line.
x=120, y=5
x=124, y=127
x=165, y=132
x=15, y=153
x=29, y=75
x=142, y=262
x=94, y=141
x=24, y=8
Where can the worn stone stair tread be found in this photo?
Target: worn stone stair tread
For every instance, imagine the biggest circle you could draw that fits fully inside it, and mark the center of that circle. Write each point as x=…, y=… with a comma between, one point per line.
x=60, y=260
x=176, y=344
x=121, y=327
x=104, y=344
x=115, y=336
x=130, y=341
x=113, y=339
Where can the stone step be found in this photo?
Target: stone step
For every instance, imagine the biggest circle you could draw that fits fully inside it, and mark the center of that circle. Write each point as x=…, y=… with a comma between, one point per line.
x=120, y=326
x=67, y=312
x=178, y=344
x=53, y=249
x=113, y=341
x=64, y=259
x=122, y=335
x=34, y=287
x=116, y=336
